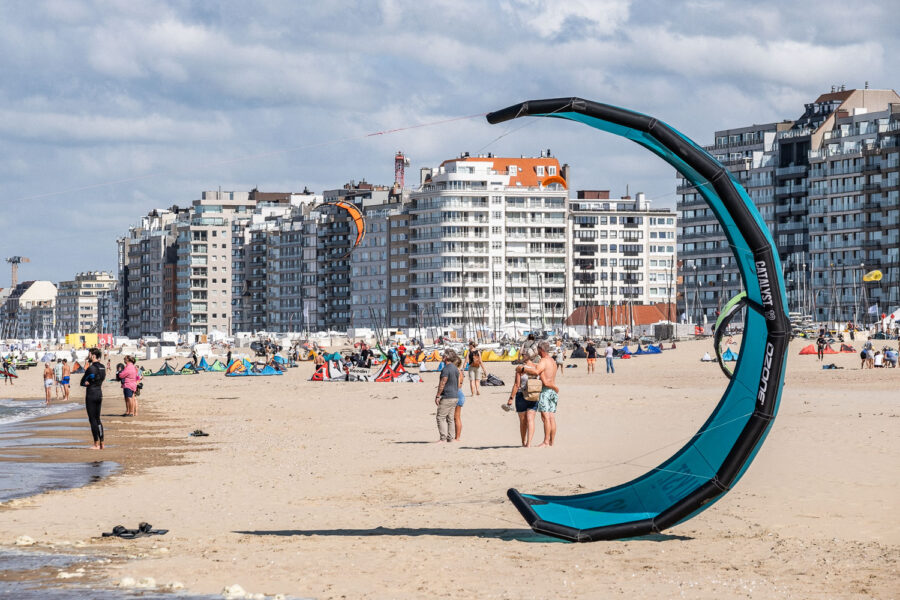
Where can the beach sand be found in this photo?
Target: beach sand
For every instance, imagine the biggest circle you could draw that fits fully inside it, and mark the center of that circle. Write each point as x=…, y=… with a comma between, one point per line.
x=334, y=490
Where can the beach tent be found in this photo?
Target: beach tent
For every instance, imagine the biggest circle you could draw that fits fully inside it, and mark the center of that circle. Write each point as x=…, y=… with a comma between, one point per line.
x=811, y=349
x=845, y=349
x=217, y=366
x=202, y=365
x=729, y=355
x=77, y=368
x=707, y=358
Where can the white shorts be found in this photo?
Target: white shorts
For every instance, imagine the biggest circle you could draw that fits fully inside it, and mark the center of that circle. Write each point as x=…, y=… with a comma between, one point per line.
x=48, y=383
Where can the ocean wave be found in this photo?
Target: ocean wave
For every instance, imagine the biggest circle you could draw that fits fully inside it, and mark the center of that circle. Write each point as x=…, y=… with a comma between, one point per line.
x=16, y=411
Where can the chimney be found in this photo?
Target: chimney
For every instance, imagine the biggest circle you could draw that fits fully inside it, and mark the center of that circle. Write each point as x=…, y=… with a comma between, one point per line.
x=564, y=172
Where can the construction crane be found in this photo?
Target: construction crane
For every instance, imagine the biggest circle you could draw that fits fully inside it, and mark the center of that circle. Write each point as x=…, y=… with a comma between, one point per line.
x=14, y=261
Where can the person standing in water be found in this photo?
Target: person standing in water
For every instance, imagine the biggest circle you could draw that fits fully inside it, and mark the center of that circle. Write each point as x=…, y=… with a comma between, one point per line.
x=48, y=381
x=93, y=397
x=66, y=377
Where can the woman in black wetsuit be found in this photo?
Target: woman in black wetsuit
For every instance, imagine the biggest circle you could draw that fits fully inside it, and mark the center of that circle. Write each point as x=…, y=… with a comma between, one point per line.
x=93, y=396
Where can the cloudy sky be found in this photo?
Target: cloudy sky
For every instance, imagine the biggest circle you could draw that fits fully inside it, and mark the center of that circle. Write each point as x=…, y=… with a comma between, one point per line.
x=109, y=108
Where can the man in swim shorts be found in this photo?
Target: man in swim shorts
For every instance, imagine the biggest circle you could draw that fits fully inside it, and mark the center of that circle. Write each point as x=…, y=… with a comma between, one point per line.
x=57, y=376
x=546, y=406
x=66, y=373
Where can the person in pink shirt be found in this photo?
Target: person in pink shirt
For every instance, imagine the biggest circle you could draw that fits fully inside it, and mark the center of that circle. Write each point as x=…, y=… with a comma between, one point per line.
x=129, y=378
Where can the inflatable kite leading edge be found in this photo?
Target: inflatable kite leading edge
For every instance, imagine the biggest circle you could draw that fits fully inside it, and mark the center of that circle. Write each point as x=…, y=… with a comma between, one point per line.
x=716, y=457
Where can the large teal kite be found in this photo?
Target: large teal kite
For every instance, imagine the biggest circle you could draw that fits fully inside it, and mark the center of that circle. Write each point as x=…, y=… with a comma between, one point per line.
x=715, y=458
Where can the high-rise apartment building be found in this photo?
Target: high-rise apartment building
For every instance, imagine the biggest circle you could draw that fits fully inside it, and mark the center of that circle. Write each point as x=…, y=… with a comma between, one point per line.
x=146, y=284
x=818, y=182
x=488, y=242
x=623, y=251
x=77, y=309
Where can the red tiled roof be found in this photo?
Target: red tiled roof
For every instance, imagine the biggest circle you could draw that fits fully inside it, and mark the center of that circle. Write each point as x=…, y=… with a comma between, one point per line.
x=621, y=314
x=526, y=168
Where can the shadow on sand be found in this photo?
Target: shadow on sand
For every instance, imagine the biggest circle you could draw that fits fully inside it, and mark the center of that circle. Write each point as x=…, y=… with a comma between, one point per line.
x=518, y=535
x=521, y=535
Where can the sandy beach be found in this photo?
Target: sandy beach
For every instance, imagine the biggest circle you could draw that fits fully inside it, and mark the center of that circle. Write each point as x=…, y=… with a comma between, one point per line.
x=331, y=490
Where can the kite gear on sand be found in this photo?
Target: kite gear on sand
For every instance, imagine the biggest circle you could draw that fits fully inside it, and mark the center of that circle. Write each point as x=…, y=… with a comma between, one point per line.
x=715, y=458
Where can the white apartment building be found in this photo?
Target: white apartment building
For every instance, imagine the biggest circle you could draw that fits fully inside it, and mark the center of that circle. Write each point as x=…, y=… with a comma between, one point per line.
x=488, y=242
x=623, y=251
x=77, y=308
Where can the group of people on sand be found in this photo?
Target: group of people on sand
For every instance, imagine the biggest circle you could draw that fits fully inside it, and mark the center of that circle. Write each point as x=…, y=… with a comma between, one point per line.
x=875, y=359
x=57, y=376
x=540, y=396
x=127, y=374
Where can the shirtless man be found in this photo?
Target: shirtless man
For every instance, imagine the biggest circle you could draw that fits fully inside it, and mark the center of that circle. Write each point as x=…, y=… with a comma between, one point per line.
x=66, y=374
x=48, y=381
x=546, y=370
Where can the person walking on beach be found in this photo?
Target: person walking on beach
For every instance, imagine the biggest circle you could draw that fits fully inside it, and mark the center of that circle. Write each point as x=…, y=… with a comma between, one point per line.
x=48, y=381
x=447, y=397
x=57, y=376
x=820, y=347
x=560, y=358
x=546, y=406
x=93, y=397
x=7, y=362
x=609, y=358
x=66, y=377
x=475, y=364
x=591, y=351
x=129, y=377
x=524, y=409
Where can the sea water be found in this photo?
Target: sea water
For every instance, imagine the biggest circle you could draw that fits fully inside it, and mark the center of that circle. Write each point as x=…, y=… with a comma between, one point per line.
x=23, y=479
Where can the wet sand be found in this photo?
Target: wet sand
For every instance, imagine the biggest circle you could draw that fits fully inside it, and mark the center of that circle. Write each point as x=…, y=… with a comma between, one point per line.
x=336, y=489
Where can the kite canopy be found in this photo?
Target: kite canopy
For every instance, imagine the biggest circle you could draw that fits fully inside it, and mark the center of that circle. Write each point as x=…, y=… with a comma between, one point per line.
x=357, y=217
x=872, y=276
x=714, y=459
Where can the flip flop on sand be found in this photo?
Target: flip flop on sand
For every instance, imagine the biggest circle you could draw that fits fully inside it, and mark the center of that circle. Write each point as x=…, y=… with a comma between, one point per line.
x=198, y=433
x=128, y=534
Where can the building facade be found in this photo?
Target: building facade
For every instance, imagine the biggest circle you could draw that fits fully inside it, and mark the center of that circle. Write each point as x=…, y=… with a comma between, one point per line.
x=623, y=251
x=30, y=311
x=488, y=243
x=77, y=301
x=823, y=184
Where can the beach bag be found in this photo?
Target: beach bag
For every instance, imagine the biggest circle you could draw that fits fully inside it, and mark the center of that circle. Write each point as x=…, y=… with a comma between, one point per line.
x=533, y=388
